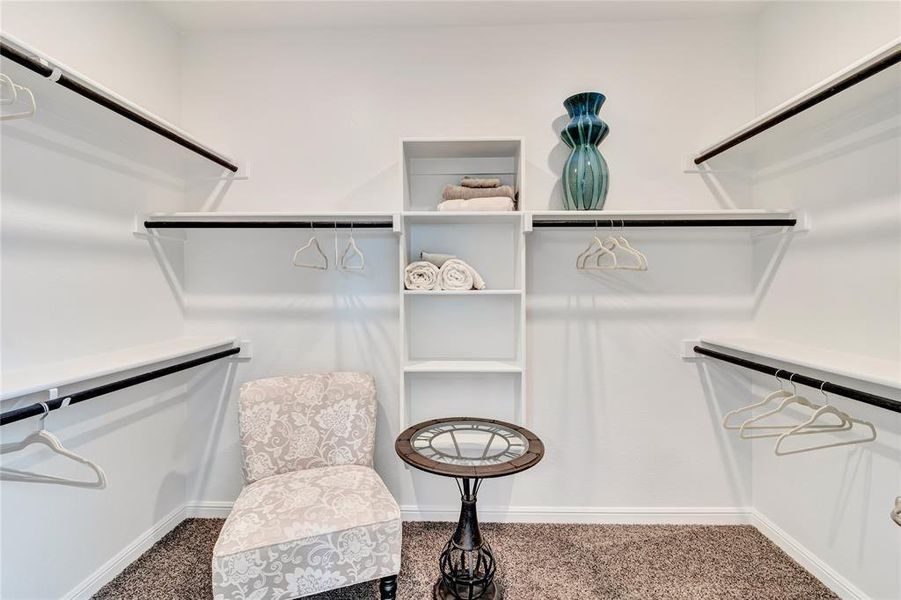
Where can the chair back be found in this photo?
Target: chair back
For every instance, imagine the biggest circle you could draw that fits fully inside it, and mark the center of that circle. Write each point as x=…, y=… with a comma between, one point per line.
x=306, y=421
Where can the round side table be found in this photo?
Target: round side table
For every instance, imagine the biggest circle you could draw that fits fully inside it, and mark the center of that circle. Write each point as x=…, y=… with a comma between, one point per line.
x=469, y=450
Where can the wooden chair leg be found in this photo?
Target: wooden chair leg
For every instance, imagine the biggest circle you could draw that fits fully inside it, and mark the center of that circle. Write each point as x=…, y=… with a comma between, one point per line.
x=388, y=587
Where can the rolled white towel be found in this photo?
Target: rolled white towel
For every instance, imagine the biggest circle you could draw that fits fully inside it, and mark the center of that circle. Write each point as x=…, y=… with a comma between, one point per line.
x=436, y=258
x=457, y=275
x=499, y=203
x=421, y=275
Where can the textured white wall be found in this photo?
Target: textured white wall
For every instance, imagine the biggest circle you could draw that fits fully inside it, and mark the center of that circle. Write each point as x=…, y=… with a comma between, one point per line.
x=838, y=287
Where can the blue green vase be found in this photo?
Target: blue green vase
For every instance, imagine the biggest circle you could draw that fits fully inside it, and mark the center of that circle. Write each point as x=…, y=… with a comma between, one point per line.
x=585, y=177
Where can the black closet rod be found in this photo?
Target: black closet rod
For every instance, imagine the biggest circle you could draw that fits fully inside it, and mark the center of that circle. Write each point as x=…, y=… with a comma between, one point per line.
x=868, y=398
x=79, y=88
x=33, y=410
x=268, y=224
x=820, y=96
x=614, y=223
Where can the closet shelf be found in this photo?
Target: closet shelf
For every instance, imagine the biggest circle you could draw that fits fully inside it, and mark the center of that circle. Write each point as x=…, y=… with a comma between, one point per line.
x=274, y=220
x=856, y=367
x=21, y=382
x=605, y=219
x=462, y=292
x=870, y=77
x=462, y=217
x=462, y=366
x=72, y=105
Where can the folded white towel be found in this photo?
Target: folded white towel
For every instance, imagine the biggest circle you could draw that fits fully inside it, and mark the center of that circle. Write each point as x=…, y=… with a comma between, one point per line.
x=499, y=203
x=435, y=258
x=460, y=192
x=421, y=275
x=480, y=182
x=457, y=275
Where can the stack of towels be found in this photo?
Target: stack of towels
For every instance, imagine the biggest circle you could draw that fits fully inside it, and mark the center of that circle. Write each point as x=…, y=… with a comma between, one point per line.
x=477, y=193
x=441, y=272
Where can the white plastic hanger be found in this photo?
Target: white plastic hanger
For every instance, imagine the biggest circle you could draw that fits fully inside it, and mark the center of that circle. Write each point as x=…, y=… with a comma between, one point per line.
x=609, y=246
x=595, y=248
x=794, y=398
x=896, y=512
x=42, y=436
x=825, y=409
x=780, y=393
x=642, y=259
x=350, y=252
x=13, y=98
x=313, y=243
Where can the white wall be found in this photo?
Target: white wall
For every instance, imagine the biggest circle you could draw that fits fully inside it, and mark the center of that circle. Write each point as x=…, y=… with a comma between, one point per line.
x=838, y=287
x=76, y=282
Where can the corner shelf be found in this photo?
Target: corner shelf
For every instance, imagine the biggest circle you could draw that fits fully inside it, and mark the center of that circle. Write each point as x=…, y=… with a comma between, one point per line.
x=22, y=382
x=885, y=373
x=875, y=69
x=73, y=105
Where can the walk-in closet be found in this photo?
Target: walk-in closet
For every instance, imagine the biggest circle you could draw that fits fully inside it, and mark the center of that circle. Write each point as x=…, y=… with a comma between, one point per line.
x=451, y=300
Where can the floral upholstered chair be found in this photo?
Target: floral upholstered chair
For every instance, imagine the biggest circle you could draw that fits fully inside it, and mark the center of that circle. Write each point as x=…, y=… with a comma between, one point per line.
x=313, y=515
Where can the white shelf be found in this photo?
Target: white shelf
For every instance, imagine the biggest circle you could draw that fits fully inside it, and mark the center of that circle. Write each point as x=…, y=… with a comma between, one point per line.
x=20, y=382
x=462, y=366
x=462, y=292
x=461, y=217
x=604, y=216
x=859, y=94
x=340, y=217
x=852, y=366
x=65, y=116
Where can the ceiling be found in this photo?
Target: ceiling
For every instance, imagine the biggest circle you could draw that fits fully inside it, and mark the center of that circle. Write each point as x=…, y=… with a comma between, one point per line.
x=211, y=15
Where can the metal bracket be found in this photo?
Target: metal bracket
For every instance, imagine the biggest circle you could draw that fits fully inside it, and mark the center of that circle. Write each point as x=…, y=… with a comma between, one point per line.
x=688, y=350
x=246, y=352
x=139, y=231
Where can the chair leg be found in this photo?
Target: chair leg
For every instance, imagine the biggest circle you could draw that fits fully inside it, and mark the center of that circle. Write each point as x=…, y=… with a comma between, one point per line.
x=388, y=587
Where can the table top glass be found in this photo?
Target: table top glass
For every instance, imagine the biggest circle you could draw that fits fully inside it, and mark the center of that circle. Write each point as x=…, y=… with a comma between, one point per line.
x=469, y=447
x=469, y=443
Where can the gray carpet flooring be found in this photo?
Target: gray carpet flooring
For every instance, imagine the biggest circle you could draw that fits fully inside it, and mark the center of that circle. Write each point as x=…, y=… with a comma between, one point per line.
x=536, y=561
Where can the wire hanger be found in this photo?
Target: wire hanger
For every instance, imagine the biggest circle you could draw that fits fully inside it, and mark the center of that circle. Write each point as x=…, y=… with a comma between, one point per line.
x=314, y=244
x=42, y=436
x=825, y=409
x=794, y=398
x=13, y=98
x=595, y=247
x=350, y=252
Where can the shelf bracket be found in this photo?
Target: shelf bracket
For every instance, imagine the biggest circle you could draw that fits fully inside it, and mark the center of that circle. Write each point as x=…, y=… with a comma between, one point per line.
x=687, y=351
x=246, y=352
x=139, y=231
x=527, y=222
x=801, y=226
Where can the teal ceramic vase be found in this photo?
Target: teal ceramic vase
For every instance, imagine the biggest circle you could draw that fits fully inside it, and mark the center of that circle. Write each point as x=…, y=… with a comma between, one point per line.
x=585, y=178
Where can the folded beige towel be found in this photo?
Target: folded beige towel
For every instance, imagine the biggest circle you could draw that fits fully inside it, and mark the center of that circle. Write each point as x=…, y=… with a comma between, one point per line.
x=459, y=192
x=499, y=203
x=479, y=182
x=457, y=275
x=421, y=275
x=436, y=258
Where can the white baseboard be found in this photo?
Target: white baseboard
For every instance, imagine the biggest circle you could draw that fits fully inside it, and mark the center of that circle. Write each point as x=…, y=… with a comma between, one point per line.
x=703, y=515
x=807, y=559
x=128, y=555
x=208, y=510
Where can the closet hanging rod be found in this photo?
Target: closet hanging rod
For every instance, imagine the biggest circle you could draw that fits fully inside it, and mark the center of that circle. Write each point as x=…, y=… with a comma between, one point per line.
x=82, y=88
x=790, y=111
x=860, y=396
x=32, y=410
x=187, y=224
x=616, y=223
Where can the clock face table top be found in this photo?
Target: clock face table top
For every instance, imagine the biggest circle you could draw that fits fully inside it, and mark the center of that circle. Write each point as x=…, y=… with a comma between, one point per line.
x=467, y=447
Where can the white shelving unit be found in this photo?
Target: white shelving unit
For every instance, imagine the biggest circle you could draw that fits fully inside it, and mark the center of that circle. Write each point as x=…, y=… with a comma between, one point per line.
x=462, y=352
x=789, y=354
x=22, y=382
x=871, y=82
x=94, y=118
